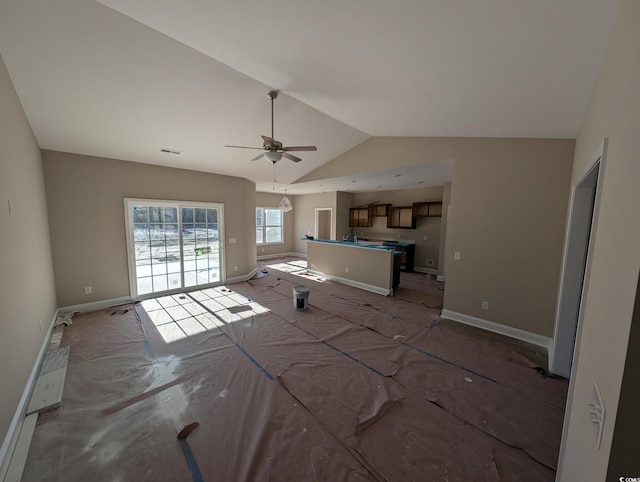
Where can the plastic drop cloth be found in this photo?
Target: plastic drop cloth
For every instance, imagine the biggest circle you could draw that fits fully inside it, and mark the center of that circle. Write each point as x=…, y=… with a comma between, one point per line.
x=358, y=387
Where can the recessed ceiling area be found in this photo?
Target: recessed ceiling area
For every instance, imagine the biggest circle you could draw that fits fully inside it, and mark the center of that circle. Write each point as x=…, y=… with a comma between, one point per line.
x=434, y=173
x=125, y=79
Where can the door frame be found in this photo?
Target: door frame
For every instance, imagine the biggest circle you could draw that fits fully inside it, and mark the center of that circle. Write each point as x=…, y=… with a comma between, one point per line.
x=131, y=262
x=332, y=227
x=576, y=265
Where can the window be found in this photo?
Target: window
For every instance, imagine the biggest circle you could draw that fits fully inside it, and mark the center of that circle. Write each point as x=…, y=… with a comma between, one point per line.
x=269, y=225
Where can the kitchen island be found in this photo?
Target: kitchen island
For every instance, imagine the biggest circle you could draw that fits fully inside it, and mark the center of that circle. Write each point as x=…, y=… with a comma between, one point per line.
x=368, y=265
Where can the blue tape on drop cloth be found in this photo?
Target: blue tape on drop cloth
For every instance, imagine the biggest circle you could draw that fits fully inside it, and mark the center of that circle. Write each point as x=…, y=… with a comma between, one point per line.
x=444, y=360
x=352, y=358
x=192, y=465
x=147, y=346
x=255, y=362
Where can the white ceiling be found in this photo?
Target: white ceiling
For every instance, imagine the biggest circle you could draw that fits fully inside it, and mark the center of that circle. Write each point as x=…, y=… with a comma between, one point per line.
x=125, y=78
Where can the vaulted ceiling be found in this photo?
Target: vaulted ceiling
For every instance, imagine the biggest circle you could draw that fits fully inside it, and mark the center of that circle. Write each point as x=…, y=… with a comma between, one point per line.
x=127, y=78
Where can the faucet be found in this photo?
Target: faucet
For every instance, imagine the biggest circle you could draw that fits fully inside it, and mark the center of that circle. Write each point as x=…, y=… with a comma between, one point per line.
x=355, y=238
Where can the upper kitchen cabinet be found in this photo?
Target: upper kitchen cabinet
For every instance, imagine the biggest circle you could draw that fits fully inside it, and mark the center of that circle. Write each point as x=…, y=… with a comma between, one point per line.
x=360, y=217
x=381, y=210
x=401, y=217
x=431, y=209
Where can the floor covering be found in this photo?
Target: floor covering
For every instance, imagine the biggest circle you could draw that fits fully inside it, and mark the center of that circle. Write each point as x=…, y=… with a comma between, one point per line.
x=357, y=387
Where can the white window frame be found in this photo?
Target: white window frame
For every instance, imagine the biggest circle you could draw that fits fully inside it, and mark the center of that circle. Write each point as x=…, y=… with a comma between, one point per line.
x=264, y=226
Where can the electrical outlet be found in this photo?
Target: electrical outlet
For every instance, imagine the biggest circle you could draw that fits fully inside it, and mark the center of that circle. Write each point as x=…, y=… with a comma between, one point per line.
x=456, y=255
x=88, y=290
x=346, y=270
x=424, y=238
x=235, y=268
x=430, y=262
x=232, y=240
x=485, y=305
x=263, y=250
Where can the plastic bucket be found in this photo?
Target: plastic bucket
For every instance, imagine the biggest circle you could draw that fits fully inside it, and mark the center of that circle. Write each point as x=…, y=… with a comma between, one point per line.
x=300, y=297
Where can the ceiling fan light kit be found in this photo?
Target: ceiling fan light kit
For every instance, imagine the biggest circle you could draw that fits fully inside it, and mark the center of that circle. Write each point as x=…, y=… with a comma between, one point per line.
x=272, y=156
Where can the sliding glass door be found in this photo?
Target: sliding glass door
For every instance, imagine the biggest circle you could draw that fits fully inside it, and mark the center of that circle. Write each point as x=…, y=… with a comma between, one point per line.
x=172, y=246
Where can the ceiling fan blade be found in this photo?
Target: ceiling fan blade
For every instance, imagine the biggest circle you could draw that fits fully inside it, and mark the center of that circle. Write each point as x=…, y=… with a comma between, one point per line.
x=245, y=147
x=300, y=148
x=258, y=157
x=290, y=157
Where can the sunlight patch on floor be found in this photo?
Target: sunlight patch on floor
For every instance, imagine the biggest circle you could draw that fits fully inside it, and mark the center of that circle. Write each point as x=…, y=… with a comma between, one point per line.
x=297, y=268
x=180, y=316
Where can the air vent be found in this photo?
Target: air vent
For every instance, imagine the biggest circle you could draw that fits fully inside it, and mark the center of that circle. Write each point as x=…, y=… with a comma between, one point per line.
x=170, y=151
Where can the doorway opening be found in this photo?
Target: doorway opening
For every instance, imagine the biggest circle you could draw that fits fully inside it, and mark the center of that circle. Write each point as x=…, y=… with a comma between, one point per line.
x=575, y=266
x=324, y=224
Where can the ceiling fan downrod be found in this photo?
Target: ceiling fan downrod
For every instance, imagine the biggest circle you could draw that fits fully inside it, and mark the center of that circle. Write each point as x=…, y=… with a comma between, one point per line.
x=273, y=94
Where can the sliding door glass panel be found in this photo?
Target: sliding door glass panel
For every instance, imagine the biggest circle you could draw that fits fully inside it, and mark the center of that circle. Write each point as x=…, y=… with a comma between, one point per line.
x=200, y=245
x=174, y=246
x=155, y=234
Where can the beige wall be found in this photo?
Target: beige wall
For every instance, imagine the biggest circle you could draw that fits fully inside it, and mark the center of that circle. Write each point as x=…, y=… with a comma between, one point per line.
x=86, y=217
x=344, y=200
x=428, y=228
x=610, y=287
x=367, y=266
x=304, y=216
x=273, y=200
x=27, y=291
x=507, y=218
x=383, y=153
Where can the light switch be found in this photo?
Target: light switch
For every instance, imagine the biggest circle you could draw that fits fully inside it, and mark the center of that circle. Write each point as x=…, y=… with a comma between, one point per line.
x=597, y=412
x=456, y=255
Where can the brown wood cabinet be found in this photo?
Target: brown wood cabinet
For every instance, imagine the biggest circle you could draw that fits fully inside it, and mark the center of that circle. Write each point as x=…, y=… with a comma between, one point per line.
x=381, y=210
x=431, y=209
x=407, y=254
x=359, y=217
x=401, y=217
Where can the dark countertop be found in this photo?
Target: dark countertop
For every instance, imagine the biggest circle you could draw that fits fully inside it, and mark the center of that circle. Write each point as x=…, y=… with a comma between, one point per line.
x=388, y=245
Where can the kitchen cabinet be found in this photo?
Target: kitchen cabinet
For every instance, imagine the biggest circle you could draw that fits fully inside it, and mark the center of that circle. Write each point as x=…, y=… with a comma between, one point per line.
x=431, y=209
x=407, y=254
x=381, y=210
x=359, y=217
x=401, y=217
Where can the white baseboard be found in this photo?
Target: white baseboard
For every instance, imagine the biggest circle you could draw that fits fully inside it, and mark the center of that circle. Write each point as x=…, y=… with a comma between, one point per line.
x=425, y=270
x=95, y=305
x=245, y=277
x=533, y=338
x=355, y=284
x=281, y=255
x=21, y=451
x=11, y=439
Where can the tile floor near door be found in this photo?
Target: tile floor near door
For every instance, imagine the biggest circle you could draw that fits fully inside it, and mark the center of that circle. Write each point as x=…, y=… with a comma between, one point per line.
x=357, y=387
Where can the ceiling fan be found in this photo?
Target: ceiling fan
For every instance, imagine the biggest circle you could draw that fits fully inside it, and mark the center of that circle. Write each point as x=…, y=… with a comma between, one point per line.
x=274, y=150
